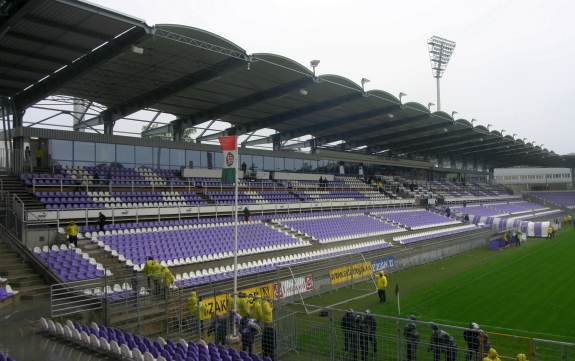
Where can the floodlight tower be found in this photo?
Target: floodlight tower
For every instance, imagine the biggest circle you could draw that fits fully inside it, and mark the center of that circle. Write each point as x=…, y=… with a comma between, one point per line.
x=440, y=51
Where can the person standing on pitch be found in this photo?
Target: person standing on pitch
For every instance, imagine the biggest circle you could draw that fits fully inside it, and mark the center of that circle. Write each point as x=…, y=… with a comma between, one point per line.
x=412, y=339
x=471, y=337
x=363, y=333
x=354, y=339
x=435, y=344
x=371, y=329
x=381, y=282
x=449, y=347
x=346, y=327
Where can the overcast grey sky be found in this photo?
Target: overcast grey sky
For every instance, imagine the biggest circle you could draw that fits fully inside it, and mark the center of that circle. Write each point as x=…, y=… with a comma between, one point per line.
x=513, y=65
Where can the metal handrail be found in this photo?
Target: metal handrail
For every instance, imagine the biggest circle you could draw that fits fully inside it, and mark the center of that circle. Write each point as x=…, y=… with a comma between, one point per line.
x=110, y=184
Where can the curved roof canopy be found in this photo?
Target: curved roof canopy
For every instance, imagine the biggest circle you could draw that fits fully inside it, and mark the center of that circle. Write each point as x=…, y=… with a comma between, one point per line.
x=74, y=48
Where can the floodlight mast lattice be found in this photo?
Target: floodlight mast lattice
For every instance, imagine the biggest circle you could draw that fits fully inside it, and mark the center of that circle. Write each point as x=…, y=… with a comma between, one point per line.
x=440, y=51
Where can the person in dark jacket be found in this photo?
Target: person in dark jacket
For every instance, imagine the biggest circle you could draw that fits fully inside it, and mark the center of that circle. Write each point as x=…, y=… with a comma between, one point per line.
x=363, y=337
x=371, y=329
x=449, y=346
x=471, y=337
x=219, y=328
x=249, y=329
x=354, y=336
x=101, y=221
x=435, y=343
x=346, y=327
x=411, y=339
x=246, y=214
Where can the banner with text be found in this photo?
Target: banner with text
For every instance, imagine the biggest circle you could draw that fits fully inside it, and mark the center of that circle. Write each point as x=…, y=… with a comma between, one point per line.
x=218, y=304
x=384, y=263
x=349, y=273
x=293, y=286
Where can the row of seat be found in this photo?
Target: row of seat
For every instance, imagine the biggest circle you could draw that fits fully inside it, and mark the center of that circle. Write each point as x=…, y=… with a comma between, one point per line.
x=127, y=346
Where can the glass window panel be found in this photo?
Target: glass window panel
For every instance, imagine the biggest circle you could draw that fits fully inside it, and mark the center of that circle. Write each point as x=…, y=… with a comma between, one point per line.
x=105, y=153
x=297, y=164
x=84, y=151
x=258, y=162
x=61, y=149
x=246, y=158
x=268, y=163
x=177, y=158
x=125, y=154
x=279, y=163
x=218, y=160
x=289, y=164
x=144, y=156
x=195, y=157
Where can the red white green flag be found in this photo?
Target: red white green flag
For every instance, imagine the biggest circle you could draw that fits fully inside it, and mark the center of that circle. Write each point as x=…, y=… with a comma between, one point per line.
x=230, y=156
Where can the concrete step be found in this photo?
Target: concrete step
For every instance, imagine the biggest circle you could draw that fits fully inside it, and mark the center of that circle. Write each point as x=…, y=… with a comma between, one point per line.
x=26, y=282
x=34, y=292
x=16, y=271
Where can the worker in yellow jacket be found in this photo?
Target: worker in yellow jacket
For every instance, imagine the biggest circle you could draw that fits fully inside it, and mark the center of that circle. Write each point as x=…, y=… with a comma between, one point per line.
x=521, y=357
x=267, y=311
x=72, y=231
x=550, y=231
x=381, y=282
x=167, y=277
x=244, y=306
x=193, y=304
x=492, y=355
x=257, y=309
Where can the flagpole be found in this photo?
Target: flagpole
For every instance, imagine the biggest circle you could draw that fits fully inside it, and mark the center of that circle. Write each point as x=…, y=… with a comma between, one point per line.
x=236, y=237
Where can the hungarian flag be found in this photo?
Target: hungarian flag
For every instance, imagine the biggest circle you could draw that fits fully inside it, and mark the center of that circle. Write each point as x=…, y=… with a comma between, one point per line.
x=230, y=153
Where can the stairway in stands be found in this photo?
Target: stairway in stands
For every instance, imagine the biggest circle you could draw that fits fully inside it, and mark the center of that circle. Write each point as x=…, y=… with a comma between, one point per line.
x=12, y=184
x=119, y=270
x=20, y=275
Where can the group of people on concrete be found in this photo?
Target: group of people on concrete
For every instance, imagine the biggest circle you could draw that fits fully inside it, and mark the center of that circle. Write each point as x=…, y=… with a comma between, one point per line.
x=512, y=238
x=254, y=318
x=159, y=276
x=359, y=334
x=323, y=182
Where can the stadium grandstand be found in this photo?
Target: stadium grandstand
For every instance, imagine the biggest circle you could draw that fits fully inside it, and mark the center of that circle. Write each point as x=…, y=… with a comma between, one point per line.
x=118, y=228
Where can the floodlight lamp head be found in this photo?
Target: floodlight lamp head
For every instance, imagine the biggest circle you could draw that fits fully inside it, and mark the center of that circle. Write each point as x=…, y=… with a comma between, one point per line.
x=314, y=63
x=473, y=120
x=401, y=95
x=429, y=105
x=363, y=82
x=489, y=126
x=453, y=113
x=440, y=51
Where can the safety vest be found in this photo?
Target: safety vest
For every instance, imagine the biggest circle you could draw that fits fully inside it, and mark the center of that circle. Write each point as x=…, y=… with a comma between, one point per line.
x=72, y=229
x=167, y=276
x=149, y=267
x=193, y=304
x=267, y=311
x=381, y=281
x=244, y=307
x=39, y=153
x=202, y=311
x=257, y=309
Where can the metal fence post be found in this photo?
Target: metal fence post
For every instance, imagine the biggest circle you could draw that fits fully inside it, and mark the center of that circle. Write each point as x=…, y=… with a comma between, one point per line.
x=332, y=342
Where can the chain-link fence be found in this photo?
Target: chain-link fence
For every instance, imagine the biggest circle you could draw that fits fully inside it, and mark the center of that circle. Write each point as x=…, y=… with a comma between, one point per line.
x=335, y=334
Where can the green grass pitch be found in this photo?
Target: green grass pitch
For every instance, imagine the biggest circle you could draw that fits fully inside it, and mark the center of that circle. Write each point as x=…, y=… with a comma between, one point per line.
x=527, y=291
